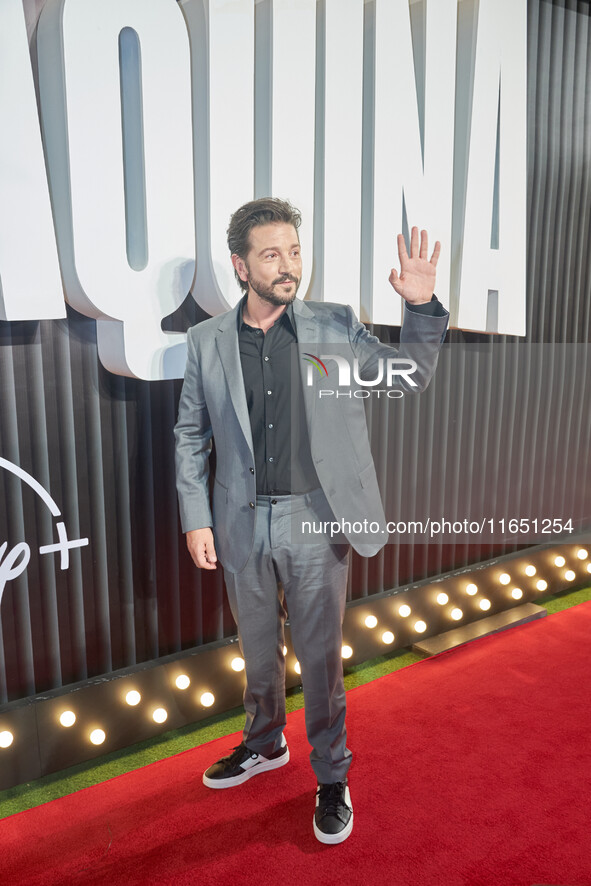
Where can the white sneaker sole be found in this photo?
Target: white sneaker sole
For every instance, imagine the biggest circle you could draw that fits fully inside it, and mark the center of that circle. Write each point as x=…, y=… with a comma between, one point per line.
x=333, y=839
x=266, y=766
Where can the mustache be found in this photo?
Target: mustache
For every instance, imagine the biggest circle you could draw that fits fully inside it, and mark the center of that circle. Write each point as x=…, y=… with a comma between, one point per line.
x=285, y=278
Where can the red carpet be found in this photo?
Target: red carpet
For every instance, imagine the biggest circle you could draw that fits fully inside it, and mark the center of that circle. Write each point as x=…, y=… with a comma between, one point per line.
x=470, y=769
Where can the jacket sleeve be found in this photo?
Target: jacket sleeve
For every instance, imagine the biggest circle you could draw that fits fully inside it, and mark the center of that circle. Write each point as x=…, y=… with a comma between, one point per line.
x=421, y=338
x=193, y=435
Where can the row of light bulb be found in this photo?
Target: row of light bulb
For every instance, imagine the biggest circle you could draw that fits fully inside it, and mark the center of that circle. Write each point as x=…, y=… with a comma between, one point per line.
x=456, y=614
x=420, y=626
x=159, y=715
x=207, y=699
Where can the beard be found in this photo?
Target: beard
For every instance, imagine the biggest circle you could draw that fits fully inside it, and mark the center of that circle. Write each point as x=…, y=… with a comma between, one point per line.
x=268, y=293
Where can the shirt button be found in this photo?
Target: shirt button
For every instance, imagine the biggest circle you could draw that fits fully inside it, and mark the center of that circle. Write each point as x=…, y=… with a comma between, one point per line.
x=251, y=470
x=270, y=426
x=266, y=359
x=269, y=392
x=271, y=458
x=251, y=504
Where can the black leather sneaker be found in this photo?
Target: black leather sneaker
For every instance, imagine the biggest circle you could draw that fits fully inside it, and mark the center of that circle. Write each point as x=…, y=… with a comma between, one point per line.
x=242, y=764
x=333, y=818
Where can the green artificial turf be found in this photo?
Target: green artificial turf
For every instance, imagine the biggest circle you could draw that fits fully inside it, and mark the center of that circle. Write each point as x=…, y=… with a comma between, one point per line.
x=59, y=784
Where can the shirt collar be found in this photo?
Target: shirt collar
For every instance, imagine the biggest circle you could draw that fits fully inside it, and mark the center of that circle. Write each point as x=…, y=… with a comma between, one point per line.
x=286, y=317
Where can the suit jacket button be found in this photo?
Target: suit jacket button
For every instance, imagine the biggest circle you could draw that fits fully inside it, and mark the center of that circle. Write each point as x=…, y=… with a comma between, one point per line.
x=251, y=470
x=251, y=504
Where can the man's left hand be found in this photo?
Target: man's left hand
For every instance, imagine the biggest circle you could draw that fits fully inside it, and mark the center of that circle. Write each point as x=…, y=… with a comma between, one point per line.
x=416, y=281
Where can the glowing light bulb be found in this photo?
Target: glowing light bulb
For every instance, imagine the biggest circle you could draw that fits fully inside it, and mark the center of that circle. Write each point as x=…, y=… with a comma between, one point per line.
x=297, y=667
x=456, y=614
x=285, y=650
x=582, y=554
x=160, y=715
x=530, y=569
x=541, y=585
x=182, y=681
x=346, y=652
x=471, y=589
x=387, y=637
x=6, y=739
x=484, y=604
x=420, y=627
x=570, y=575
x=588, y=567
x=68, y=718
x=238, y=664
x=404, y=611
x=559, y=561
x=207, y=699
x=97, y=736
x=133, y=697
x=371, y=621
x=505, y=578
x=517, y=593
x=442, y=599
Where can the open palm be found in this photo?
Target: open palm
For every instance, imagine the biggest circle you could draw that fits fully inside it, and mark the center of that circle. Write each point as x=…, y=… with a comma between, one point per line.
x=416, y=281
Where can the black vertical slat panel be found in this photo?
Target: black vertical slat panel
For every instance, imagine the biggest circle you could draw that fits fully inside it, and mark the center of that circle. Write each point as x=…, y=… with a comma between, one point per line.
x=71, y=602
x=16, y=609
x=145, y=559
x=165, y=524
x=448, y=396
x=537, y=69
x=565, y=387
x=426, y=469
x=564, y=90
x=97, y=600
x=378, y=425
x=513, y=437
x=81, y=337
x=471, y=432
x=543, y=246
x=121, y=593
x=32, y=392
x=412, y=464
x=111, y=392
x=574, y=132
x=530, y=484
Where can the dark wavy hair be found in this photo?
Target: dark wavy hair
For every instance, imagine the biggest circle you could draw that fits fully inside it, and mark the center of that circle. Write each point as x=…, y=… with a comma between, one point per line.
x=264, y=211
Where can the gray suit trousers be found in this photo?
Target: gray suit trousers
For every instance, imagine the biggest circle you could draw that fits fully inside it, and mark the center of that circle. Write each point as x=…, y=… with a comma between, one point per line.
x=311, y=579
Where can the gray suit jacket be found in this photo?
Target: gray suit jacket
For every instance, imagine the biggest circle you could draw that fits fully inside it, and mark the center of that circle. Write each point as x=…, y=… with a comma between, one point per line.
x=213, y=404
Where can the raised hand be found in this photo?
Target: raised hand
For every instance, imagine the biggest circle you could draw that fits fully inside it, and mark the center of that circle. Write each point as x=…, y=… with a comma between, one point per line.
x=416, y=281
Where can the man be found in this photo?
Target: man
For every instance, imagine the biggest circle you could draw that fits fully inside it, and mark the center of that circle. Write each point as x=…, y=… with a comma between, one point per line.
x=276, y=465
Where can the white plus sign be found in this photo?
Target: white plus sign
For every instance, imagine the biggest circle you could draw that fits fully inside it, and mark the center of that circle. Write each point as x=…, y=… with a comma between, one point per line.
x=63, y=545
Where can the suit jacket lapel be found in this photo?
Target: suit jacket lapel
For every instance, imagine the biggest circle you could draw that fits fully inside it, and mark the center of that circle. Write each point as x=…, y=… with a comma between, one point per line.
x=228, y=349
x=308, y=331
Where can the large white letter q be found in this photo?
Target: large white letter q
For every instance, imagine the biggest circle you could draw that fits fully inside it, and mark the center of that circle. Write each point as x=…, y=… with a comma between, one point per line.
x=115, y=81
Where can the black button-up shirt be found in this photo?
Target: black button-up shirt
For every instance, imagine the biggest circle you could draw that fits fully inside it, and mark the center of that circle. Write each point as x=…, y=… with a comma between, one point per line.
x=283, y=458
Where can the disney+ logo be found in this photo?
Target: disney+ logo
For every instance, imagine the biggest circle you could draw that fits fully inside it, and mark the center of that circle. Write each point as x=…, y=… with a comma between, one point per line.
x=13, y=562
